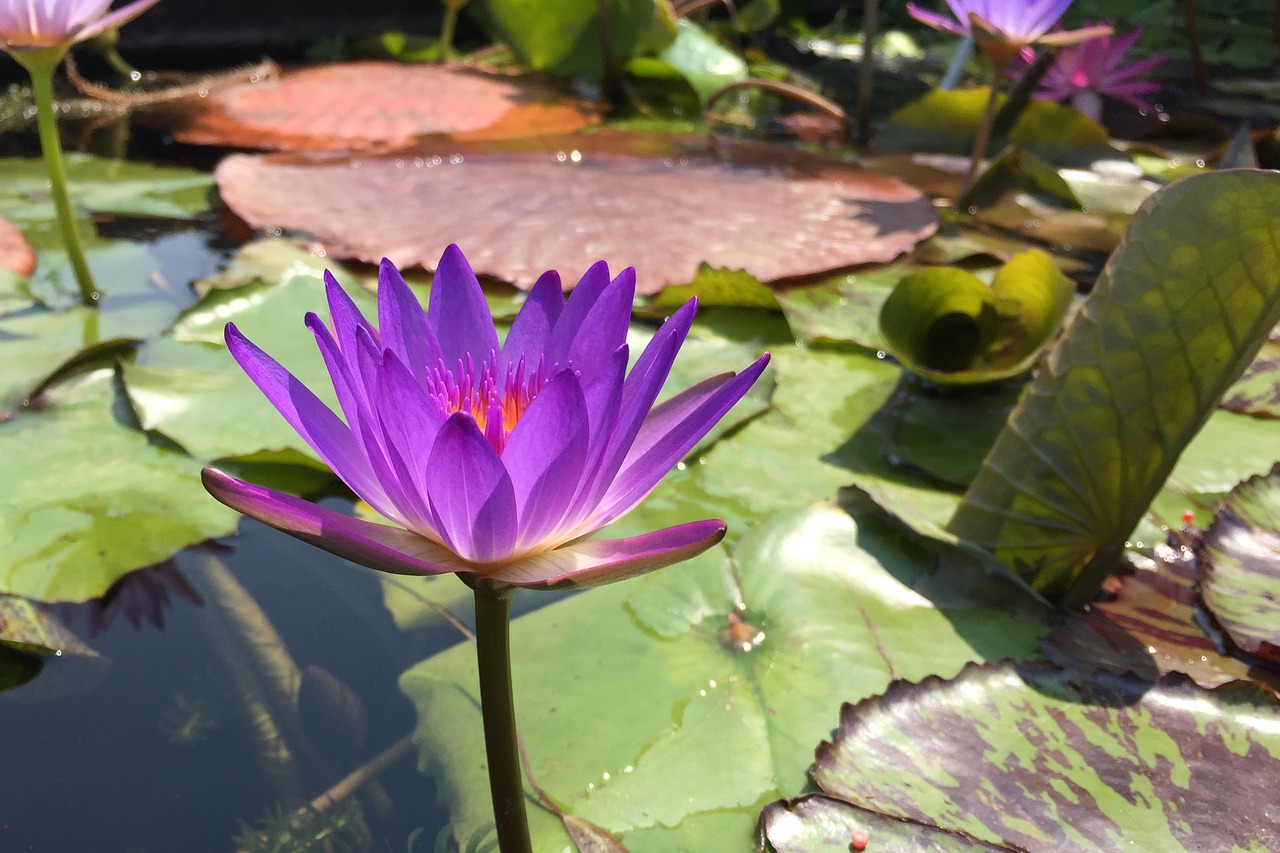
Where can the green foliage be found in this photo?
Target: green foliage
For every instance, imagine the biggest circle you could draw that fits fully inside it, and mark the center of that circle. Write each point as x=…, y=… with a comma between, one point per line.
x=1179, y=312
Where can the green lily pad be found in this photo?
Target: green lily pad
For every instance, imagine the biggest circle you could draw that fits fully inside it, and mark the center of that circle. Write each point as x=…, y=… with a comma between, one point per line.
x=88, y=499
x=705, y=63
x=944, y=324
x=1240, y=564
x=1257, y=391
x=1040, y=759
x=843, y=309
x=739, y=667
x=27, y=627
x=104, y=186
x=1177, y=315
x=718, y=286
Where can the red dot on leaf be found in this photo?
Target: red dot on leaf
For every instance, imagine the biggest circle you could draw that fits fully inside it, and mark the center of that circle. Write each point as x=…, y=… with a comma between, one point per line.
x=859, y=841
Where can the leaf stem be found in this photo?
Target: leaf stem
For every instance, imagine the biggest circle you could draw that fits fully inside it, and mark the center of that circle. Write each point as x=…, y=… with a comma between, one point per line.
x=984, y=133
x=506, y=784
x=40, y=64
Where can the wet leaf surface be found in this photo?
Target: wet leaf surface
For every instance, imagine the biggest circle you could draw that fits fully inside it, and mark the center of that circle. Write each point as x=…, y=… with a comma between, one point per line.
x=1240, y=565
x=1040, y=759
x=1175, y=318
x=740, y=668
x=665, y=206
x=371, y=105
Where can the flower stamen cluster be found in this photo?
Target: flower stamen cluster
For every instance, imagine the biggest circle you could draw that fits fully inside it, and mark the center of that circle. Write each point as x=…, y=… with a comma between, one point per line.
x=495, y=406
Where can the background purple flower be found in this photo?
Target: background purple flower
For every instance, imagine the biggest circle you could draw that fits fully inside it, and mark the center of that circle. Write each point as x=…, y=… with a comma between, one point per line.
x=492, y=460
x=50, y=23
x=1086, y=72
x=1003, y=27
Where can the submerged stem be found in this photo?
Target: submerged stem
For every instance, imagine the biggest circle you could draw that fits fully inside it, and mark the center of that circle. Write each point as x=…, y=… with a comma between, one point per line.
x=497, y=705
x=41, y=64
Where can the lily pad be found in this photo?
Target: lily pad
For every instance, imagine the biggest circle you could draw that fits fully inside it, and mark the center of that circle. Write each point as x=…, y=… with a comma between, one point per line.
x=738, y=667
x=16, y=254
x=1240, y=565
x=1179, y=312
x=1040, y=759
x=25, y=626
x=664, y=205
x=844, y=308
x=813, y=823
x=371, y=105
x=88, y=499
x=103, y=186
x=1257, y=391
x=944, y=324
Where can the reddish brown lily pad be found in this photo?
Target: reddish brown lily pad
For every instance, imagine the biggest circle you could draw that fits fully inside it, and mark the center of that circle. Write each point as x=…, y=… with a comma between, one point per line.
x=374, y=105
x=517, y=208
x=16, y=253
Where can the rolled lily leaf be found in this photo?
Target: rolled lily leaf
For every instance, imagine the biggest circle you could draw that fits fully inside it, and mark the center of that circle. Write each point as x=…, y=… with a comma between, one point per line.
x=946, y=325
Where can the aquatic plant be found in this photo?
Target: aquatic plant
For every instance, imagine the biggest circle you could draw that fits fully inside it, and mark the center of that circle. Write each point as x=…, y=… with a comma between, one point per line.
x=38, y=34
x=1086, y=72
x=494, y=461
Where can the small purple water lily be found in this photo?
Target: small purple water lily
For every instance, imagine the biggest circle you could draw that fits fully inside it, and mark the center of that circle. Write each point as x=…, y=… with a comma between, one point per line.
x=494, y=461
x=1000, y=28
x=1087, y=72
x=28, y=24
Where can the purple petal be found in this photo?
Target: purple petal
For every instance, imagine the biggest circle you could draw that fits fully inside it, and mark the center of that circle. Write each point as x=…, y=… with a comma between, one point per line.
x=584, y=296
x=403, y=324
x=671, y=430
x=531, y=329
x=595, y=562
x=117, y=18
x=938, y=22
x=471, y=493
x=457, y=312
x=346, y=318
x=378, y=546
x=605, y=326
x=545, y=455
x=310, y=418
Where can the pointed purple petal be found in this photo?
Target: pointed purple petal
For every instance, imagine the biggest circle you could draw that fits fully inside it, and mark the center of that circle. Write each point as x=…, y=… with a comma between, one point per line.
x=545, y=456
x=378, y=546
x=595, y=562
x=346, y=319
x=471, y=493
x=938, y=22
x=457, y=312
x=605, y=326
x=117, y=18
x=403, y=324
x=531, y=329
x=319, y=427
x=671, y=430
x=584, y=296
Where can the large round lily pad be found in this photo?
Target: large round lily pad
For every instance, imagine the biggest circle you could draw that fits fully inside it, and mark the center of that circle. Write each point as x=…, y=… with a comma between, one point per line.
x=1039, y=759
x=364, y=105
x=519, y=208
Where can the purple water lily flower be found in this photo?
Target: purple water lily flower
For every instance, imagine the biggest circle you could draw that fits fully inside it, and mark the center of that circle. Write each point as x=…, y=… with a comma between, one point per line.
x=492, y=461
x=1086, y=72
x=1001, y=28
x=33, y=24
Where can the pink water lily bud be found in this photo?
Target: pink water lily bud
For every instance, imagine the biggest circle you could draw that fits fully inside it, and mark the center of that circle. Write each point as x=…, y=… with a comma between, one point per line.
x=35, y=24
x=1087, y=72
x=493, y=461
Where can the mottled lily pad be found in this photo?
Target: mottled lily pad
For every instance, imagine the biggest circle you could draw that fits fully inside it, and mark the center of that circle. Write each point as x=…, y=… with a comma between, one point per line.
x=369, y=105
x=1240, y=565
x=1257, y=391
x=814, y=823
x=663, y=205
x=1041, y=759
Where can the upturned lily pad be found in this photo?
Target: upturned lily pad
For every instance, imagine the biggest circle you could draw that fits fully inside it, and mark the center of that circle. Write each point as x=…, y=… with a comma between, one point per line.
x=1179, y=312
x=813, y=823
x=1240, y=565
x=1040, y=759
x=660, y=204
x=28, y=627
x=679, y=675
x=370, y=105
x=1148, y=625
x=87, y=499
x=946, y=325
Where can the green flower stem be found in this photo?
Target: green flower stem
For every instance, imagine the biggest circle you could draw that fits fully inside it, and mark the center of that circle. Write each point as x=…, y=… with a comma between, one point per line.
x=506, y=783
x=984, y=133
x=448, y=26
x=41, y=64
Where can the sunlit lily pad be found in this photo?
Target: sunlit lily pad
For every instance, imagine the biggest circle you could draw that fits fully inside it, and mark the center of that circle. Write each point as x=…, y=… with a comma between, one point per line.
x=843, y=308
x=946, y=325
x=1240, y=565
x=660, y=204
x=88, y=498
x=701, y=689
x=1177, y=315
x=814, y=823
x=364, y=105
x=1039, y=759
x=103, y=186
x=27, y=627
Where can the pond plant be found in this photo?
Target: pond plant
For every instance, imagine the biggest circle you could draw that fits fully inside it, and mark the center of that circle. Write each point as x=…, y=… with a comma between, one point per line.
x=993, y=474
x=38, y=34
